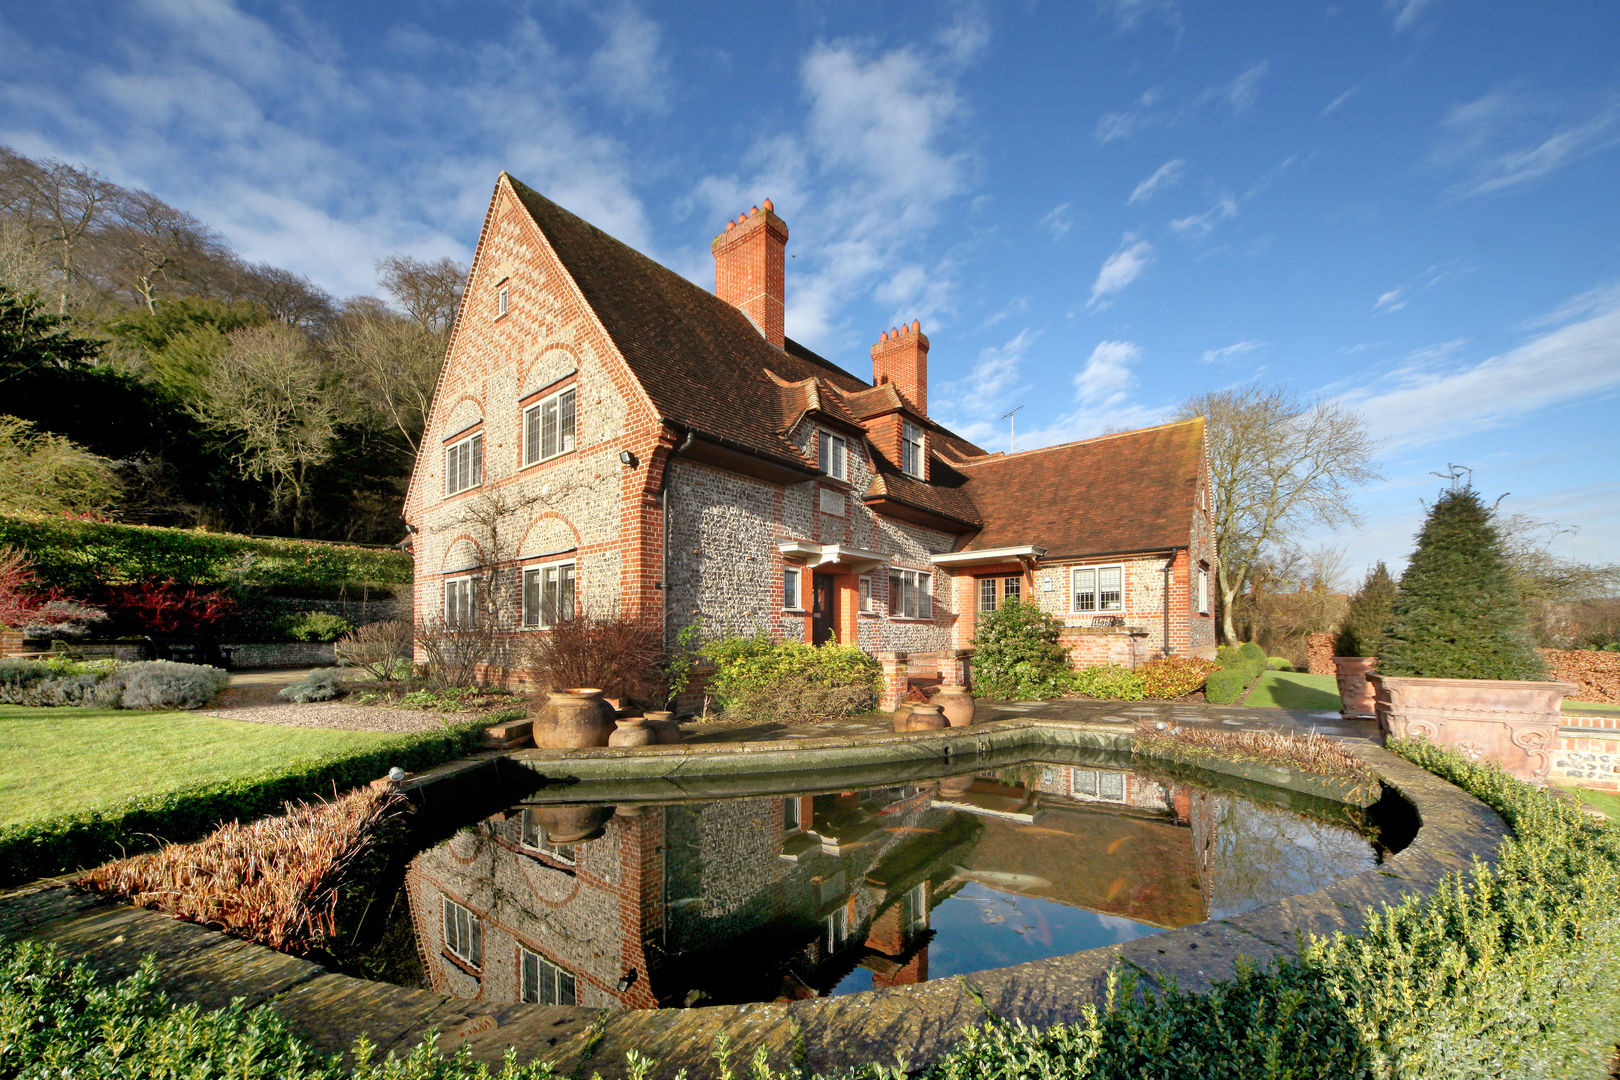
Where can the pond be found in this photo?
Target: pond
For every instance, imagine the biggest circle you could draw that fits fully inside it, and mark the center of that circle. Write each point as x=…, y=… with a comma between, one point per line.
x=805, y=894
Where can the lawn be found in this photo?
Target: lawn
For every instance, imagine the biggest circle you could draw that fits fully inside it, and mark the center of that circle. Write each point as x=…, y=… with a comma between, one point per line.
x=1600, y=706
x=1295, y=690
x=1606, y=801
x=58, y=760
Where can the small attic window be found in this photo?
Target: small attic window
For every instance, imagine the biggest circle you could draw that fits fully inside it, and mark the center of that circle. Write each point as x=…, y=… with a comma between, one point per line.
x=503, y=300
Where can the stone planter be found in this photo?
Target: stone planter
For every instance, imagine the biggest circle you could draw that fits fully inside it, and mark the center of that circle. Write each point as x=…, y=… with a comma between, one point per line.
x=926, y=718
x=1355, y=692
x=665, y=728
x=1512, y=723
x=956, y=703
x=632, y=731
x=573, y=719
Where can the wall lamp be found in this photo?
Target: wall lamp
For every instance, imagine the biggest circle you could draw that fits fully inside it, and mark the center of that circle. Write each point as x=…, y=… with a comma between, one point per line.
x=628, y=979
x=627, y=458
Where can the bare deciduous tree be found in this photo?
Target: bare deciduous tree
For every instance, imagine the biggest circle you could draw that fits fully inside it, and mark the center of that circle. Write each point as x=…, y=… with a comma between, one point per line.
x=58, y=205
x=428, y=292
x=268, y=393
x=392, y=364
x=1278, y=464
x=1552, y=586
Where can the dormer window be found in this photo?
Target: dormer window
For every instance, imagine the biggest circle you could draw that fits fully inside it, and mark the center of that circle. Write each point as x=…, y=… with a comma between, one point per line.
x=911, y=449
x=832, y=453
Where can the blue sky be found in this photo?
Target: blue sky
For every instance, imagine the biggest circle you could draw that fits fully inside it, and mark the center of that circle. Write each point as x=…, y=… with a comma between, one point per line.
x=1096, y=209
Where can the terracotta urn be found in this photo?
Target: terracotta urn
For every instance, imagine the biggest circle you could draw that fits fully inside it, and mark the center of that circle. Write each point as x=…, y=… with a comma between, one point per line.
x=956, y=703
x=573, y=824
x=901, y=717
x=926, y=718
x=579, y=718
x=632, y=731
x=665, y=728
x=1355, y=692
x=1513, y=723
x=954, y=787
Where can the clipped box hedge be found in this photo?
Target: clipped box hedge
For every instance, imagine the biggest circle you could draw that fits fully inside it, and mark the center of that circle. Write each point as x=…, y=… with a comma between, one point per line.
x=89, y=837
x=77, y=556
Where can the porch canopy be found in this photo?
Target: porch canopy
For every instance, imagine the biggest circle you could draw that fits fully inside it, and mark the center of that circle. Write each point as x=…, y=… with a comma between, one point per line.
x=849, y=560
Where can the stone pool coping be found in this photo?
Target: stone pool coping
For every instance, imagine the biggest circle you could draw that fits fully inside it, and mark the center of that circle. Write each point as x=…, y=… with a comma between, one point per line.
x=822, y=1034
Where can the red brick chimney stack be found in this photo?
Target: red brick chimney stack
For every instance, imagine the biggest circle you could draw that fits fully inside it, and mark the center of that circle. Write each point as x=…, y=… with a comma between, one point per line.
x=750, y=271
x=901, y=357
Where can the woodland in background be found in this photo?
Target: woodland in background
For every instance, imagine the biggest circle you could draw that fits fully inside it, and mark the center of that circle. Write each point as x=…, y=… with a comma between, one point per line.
x=151, y=375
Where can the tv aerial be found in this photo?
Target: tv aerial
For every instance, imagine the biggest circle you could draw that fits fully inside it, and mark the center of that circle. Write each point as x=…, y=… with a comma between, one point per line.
x=1012, y=430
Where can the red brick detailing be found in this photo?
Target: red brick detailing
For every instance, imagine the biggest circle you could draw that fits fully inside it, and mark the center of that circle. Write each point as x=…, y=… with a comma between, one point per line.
x=901, y=357
x=750, y=271
x=896, y=679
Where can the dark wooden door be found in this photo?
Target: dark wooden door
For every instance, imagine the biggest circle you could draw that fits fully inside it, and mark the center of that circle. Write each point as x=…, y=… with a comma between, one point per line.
x=823, y=609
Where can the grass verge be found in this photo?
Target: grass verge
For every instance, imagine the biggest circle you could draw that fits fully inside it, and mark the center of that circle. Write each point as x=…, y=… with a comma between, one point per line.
x=1294, y=690
x=1606, y=801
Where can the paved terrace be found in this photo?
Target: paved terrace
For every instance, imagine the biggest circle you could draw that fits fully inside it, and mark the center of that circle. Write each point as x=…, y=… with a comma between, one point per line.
x=332, y=1010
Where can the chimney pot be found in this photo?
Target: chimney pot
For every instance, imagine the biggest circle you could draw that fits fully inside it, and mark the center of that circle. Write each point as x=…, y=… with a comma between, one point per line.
x=883, y=336
x=767, y=205
x=916, y=326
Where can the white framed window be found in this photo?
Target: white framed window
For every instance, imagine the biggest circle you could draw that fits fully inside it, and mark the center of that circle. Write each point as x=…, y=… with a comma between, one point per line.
x=1011, y=588
x=532, y=837
x=987, y=594
x=548, y=426
x=461, y=601
x=464, y=464
x=544, y=983
x=866, y=593
x=832, y=455
x=909, y=595
x=1203, y=590
x=792, y=821
x=503, y=301
x=911, y=449
x=463, y=934
x=914, y=908
x=837, y=929
x=548, y=593
x=1099, y=588
x=790, y=590
x=1098, y=784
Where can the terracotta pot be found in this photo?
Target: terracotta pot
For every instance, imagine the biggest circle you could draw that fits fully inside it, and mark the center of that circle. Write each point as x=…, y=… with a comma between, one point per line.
x=632, y=731
x=956, y=786
x=926, y=718
x=1510, y=722
x=580, y=718
x=1355, y=692
x=956, y=703
x=572, y=824
x=665, y=728
x=901, y=717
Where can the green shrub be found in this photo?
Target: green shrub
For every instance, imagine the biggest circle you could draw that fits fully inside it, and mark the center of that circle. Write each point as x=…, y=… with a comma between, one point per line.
x=1174, y=676
x=1279, y=663
x=313, y=626
x=1369, y=612
x=1226, y=685
x=164, y=684
x=60, y=1020
x=1229, y=656
x=1457, y=613
x=150, y=684
x=1016, y=654
x=1253, y=654
x=1109, y=681
x=319, y=685
x=790, y=682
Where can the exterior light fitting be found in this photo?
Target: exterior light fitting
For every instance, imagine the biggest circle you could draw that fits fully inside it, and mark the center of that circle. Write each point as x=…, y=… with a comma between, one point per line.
x=627, y=458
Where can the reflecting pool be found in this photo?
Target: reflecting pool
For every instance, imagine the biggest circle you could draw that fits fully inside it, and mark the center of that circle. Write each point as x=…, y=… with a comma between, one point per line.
x=802, y=895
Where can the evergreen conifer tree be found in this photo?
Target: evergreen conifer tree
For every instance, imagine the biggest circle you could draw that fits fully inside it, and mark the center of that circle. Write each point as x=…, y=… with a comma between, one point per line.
x=1367, y=615
x=1457, y=613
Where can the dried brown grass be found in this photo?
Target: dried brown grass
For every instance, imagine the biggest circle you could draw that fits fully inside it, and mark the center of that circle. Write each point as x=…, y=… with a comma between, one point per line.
x=1310, y=752
x=275, y=881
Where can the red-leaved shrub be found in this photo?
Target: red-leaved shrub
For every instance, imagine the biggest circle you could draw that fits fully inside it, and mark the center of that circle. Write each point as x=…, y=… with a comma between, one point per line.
x=167, y=607
x=1174, y=676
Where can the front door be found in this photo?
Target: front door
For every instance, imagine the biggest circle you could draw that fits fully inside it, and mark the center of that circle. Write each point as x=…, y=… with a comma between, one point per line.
x=823, y=609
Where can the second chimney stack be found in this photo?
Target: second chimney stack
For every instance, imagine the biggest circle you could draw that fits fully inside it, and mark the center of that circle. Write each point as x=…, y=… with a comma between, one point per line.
x=901, y=357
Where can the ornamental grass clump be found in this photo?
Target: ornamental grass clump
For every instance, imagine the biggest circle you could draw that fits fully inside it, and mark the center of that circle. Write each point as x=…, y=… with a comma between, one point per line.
x=1457, y=613
x=1308, y=752
x=1017, y=655
x=277, y=881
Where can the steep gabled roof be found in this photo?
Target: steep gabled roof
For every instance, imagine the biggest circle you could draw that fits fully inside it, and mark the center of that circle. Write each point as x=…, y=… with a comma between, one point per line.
x=699, y=359
x=1134, y=491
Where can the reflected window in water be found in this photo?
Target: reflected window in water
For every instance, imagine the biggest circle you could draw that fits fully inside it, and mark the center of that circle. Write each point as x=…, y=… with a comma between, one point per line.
x=463, y=934
x=544, y=983
x=837, y=930
x=533, y=838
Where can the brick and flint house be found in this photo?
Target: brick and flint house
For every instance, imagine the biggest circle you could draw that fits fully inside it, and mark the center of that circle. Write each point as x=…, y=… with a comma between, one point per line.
x=608, y=436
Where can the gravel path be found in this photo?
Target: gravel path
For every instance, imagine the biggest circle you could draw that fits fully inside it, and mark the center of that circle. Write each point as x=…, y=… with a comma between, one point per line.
x=253, y=697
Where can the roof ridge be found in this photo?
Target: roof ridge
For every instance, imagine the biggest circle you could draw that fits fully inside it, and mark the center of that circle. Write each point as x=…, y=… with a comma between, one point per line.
x=998, y=456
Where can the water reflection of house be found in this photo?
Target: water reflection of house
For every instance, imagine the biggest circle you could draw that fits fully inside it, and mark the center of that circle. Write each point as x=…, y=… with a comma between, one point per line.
x=777, y=898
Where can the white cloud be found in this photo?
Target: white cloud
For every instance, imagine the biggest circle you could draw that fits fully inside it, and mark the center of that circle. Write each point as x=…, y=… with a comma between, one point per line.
x=1128, y=14
x=630, y=68
x=1016, y=306
x=1509, y=137
x=1107, y=377
x=972, y=406
x=1232, y=353
x=1578, y=361
x=1203, y=224
x=1390, y=301
x=1242, y=92
x=1103, y=390
x=1338, y=103
x=1116, y=125
x=967, y=35
x=1119, y=270
x=1058, y=220
x=1405, y=12
x=1166, y=175
x=1238, y=94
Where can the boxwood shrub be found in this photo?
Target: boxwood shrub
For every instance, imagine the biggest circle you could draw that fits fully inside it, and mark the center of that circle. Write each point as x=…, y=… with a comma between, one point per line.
x=1109, y=681
x=790, y=682
x=1225, y=685
x=88, y=837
